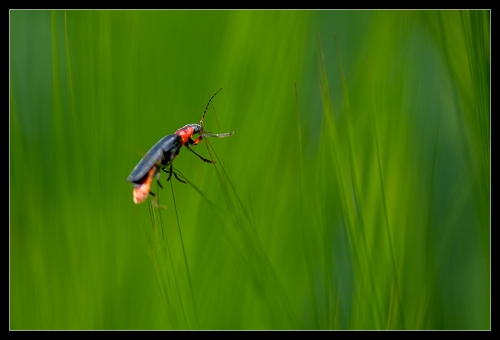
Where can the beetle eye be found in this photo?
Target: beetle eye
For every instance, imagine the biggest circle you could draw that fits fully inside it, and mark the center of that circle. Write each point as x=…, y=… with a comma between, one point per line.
x=197, y=129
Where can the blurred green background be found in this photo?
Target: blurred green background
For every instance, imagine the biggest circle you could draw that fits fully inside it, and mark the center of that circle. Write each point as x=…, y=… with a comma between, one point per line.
x=354, y=194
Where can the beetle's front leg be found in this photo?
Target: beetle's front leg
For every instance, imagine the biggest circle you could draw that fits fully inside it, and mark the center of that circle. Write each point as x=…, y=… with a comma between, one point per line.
x=192, y=141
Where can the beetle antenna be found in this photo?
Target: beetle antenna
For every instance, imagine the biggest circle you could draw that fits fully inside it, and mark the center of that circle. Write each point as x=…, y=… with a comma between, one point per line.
x=203, y=117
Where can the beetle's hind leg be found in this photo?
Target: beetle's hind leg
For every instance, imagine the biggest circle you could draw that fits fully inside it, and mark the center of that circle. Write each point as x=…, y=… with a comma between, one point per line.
x=157, y=176
x=155, y=201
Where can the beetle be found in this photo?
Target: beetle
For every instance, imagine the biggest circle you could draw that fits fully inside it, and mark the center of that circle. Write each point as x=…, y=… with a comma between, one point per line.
x=162, y=154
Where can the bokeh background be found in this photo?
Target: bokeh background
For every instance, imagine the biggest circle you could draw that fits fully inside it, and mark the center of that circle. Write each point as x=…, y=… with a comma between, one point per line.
x=354, y=194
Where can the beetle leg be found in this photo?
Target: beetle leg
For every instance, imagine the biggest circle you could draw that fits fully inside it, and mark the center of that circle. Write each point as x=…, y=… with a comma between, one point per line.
x=157, y=176
x=169, y=172
x=180, y=180
x=177, y=177
x=202, y=158
x=192, y=141
x=155, y=203
x=155, y=199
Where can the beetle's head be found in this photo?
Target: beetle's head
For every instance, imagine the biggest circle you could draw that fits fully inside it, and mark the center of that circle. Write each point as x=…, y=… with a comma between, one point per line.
x=189, y=131
x=197, y=129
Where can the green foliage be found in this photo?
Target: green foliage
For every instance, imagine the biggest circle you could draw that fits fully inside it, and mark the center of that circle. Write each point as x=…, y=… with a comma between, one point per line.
x=354, y=194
